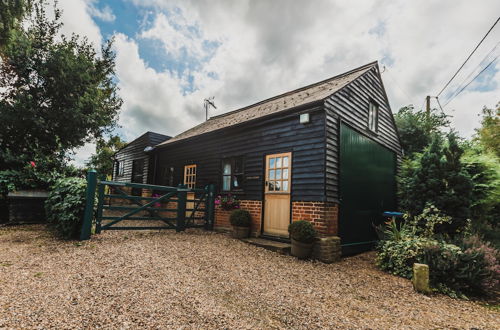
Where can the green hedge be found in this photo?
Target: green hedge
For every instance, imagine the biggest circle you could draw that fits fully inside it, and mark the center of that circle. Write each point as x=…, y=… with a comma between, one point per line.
x=65, y=206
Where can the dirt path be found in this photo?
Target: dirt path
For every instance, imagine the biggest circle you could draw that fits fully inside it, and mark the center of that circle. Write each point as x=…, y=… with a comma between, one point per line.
x=204, y=280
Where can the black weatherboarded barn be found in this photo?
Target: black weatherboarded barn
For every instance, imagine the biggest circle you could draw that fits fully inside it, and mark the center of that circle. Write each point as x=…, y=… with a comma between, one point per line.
x=326, y=153
x=131, y=163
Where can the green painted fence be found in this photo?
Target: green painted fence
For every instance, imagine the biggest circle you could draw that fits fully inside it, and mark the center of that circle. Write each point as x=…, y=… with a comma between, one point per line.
x=194, y=208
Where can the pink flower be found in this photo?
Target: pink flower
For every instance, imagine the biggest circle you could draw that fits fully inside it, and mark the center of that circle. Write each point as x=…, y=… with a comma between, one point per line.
x=32, y=163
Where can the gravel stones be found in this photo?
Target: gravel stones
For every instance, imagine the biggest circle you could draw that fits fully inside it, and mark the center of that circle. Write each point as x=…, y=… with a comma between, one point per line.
x=199, y=279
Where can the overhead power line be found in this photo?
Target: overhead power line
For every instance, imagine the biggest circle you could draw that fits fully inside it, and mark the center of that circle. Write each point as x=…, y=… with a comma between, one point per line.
x=397, y=84
x=464, y=81
x=463, y=88
x=470, y=55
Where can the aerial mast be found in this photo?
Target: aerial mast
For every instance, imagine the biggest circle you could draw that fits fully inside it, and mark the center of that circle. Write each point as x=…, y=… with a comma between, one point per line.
x=207, y=103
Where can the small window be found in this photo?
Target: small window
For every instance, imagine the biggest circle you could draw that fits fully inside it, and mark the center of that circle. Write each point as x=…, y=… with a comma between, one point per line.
x=373, y=117
x=167, y=176
x=120, y=168
x=190, y=176
x=232, y=174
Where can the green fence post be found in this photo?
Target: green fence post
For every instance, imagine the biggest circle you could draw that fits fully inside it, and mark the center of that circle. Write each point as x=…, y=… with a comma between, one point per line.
x=100, y=203
x=89, y=205
x=210, y=207
x=180, y=224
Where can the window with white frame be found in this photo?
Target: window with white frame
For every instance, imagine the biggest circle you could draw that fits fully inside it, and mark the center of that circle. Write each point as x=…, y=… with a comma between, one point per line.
x=120, y=168
x=373, y=117
x=232, y=174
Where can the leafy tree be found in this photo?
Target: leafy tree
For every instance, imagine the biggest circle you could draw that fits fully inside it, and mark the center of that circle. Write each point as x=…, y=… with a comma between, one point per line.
x=56, y=93
x=489, y=133
x=438, y=177
x=416, y=128
x=11, y=14
x=102, y=160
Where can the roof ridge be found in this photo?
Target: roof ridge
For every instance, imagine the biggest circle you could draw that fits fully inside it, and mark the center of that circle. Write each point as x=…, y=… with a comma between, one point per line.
x=294, y=91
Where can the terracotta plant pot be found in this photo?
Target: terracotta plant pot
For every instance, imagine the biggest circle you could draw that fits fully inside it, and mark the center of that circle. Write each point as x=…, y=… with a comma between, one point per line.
x=241, y=232
x=301, y=250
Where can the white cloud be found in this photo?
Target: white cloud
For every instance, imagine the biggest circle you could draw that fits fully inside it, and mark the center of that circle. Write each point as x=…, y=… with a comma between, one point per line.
x=105, y=14
x=265, y=48
x=76, y=18
x=176, y=36
x=83, y=154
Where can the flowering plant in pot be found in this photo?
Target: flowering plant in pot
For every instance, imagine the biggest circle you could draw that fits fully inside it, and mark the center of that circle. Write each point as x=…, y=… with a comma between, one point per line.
x=303, y=235
x=227, y=202
x=240, y=220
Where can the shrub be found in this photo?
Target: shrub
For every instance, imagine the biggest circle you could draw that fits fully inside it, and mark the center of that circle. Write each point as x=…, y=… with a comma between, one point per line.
x=65, y=206
x=302, y=231
x=468, y=267
x=398, y=256
x=240, y=218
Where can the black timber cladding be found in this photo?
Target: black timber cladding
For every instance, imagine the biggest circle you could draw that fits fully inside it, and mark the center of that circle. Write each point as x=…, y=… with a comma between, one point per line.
x=350, y=105
x=134, y=151
x=252, y=141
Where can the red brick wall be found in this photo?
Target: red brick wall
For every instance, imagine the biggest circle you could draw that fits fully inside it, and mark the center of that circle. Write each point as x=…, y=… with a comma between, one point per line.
x=324, y=216
x=255, y=209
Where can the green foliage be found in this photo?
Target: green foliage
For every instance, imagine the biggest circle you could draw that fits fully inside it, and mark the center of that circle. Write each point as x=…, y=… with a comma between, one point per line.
x=416, y=129
x=484, y=170
x=56, y=93
x=489, y=133
x=398, y=256
x=466, y=267
x=102, y=160
x=438, y=177
x=240, y=218
x=11, y=13
x=65, y=207
x=31, y=177
x=302, y=231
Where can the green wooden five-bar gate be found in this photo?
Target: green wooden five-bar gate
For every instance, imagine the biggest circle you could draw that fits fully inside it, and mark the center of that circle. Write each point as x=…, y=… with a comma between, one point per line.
x=187, y=208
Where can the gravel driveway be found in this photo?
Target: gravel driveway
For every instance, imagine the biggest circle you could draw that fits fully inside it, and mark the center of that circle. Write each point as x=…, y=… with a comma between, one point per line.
x=200, y=279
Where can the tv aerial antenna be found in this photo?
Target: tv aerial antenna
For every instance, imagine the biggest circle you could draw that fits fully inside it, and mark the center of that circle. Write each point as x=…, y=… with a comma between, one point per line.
x=207, y=103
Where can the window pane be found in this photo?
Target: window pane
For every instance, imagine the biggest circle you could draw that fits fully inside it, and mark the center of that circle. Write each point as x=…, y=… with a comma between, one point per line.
x=227, y=168
x=278, y=174
x=285, y=185
x=226, y=183
x=277, y=186
x=271, y=175
x=285, y=161
x=238, y=165
x=278, y=162
x=285, y=173
x=271, y=162
x=237, y=181
x=271, y=185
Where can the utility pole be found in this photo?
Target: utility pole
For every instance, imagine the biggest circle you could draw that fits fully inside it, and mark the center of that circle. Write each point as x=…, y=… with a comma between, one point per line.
x=207, y=103
x=428, y=112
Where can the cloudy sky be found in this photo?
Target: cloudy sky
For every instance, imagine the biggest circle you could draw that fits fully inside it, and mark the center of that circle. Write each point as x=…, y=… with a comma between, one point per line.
x=170, y=55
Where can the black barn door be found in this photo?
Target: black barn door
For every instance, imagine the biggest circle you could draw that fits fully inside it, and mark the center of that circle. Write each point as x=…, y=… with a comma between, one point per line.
x=367, y=189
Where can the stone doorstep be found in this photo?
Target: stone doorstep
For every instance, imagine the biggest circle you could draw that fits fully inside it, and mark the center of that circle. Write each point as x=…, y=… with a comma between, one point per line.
x=279, y=247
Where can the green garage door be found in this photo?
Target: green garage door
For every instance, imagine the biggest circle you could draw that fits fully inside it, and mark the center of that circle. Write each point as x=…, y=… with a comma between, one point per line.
x=367, y=188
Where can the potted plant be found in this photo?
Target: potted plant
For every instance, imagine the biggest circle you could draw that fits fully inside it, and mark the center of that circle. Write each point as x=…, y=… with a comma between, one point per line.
x=303, y=235
x=240, y=220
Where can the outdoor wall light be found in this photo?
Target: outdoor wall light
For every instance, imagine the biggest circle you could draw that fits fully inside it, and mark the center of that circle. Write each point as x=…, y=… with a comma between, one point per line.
x=304, y=118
